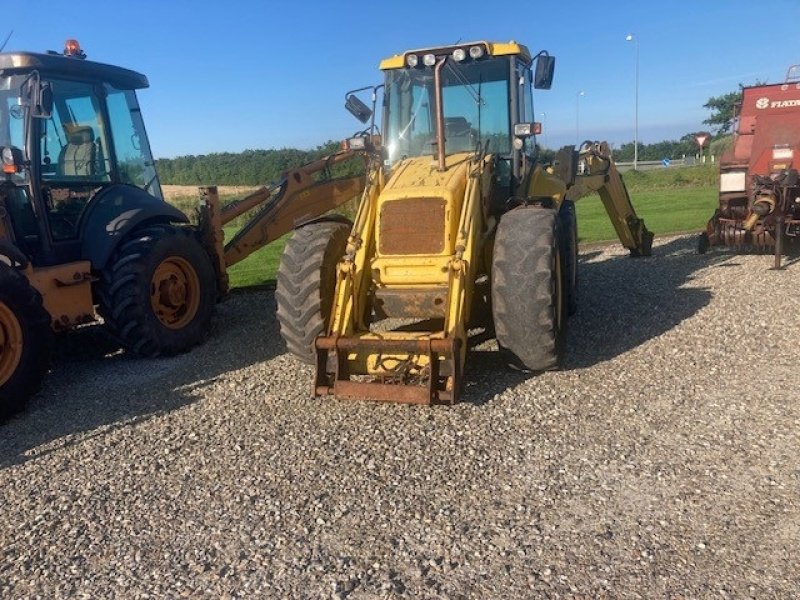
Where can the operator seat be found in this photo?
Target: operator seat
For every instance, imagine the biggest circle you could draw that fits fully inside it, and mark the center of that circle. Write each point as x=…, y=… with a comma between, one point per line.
x=78, y=157
x=458, y=134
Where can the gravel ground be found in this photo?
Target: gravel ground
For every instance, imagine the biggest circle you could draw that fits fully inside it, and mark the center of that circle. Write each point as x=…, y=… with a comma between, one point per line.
x=663, y=462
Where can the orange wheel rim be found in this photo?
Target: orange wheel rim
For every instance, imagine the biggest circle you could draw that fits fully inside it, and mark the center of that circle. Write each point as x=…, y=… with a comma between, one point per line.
x=175, y=292
x=10, y=343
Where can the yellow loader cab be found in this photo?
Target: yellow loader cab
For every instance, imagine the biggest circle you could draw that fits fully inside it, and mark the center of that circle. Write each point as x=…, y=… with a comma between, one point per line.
x=459, y=228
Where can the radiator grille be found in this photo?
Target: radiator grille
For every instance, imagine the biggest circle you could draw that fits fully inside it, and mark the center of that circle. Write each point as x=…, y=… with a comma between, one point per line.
x=413, y=226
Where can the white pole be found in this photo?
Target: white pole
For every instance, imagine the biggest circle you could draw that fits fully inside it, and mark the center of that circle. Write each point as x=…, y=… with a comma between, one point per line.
x=631, y=37
x=544, y=127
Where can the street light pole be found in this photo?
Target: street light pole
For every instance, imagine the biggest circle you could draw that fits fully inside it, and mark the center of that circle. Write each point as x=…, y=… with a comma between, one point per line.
x=578, y=116
x=544, y=129
x=632, y=38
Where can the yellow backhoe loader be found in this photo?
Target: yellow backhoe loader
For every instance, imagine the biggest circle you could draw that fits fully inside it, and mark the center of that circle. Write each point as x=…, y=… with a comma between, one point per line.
x=459, y=226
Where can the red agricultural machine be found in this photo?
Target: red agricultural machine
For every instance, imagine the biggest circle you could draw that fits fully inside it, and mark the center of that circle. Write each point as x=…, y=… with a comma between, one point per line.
x=759, y=191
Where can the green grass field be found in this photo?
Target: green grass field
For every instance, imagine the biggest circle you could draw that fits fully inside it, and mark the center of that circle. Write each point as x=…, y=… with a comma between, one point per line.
x=663, y=210
x=669, y=201
x=258, y=268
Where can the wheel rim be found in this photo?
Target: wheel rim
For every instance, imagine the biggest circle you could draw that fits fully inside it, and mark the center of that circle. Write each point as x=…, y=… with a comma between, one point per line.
x=10, y=343
x=175, y=292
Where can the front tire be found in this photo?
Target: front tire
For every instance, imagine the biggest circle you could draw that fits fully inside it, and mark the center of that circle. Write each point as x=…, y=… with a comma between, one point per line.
x=307, y=282
x=158, y=292
x=528, y=289
x=25, y=337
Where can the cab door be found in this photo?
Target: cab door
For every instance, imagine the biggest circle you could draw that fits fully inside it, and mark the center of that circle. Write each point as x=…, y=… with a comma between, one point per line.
x=74, y=161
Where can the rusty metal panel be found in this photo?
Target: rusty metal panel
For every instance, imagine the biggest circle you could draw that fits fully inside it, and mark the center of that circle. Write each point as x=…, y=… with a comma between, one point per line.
x=410, y=302
x=412, y=226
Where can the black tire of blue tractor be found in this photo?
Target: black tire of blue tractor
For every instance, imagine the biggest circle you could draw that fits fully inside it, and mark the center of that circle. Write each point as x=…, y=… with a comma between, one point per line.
x=306, y=283
x=25, y=341
x=528, y=289
x=568, y=223
x=128, y=298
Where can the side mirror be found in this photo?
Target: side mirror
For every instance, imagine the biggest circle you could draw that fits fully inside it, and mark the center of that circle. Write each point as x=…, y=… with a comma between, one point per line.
x=545, y=67
x=357, y=108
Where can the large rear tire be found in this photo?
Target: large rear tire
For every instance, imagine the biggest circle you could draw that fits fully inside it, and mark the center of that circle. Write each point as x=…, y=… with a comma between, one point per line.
x=158, y=292
x=25, y=337
x=528, y=289
x=306, y=283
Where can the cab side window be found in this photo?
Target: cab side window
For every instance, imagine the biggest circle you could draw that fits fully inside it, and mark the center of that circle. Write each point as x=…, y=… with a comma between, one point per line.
x=135, y=162
x=74, y=140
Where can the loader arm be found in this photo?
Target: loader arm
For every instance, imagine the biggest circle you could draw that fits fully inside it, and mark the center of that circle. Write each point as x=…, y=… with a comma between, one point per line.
x=598, y=173
x=418, y=358
x=301, y=195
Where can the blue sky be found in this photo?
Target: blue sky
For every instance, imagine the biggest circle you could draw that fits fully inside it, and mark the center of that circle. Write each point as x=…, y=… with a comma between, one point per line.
x=257, y=74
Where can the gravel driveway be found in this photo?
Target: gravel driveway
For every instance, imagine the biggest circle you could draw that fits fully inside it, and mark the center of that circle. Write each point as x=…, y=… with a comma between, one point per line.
x=663, y=462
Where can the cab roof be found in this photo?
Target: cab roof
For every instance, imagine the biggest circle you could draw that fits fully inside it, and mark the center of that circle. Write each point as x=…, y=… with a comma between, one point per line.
x=398, y=61
x=57, y=65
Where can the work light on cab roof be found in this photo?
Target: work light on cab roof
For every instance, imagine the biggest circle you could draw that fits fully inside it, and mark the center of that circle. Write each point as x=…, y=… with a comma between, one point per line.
x=459, y=55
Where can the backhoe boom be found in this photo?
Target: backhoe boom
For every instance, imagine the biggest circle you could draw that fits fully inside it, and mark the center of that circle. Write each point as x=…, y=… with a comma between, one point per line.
x=598, y=173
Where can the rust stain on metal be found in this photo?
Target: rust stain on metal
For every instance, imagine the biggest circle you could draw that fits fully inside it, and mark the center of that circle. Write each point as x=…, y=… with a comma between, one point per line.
x=410, y=303
x=412, y=226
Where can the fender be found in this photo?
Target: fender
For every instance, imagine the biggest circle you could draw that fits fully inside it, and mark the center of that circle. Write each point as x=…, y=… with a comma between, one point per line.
x=114, y=212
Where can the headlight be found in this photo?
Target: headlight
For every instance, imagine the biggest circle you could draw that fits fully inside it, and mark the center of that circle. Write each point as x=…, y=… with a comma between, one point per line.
x=429, y=60
x=412, y=60
x=459, y=54
x=11, y=159
x=523, y=129
x=476, y=51
x=357, y=143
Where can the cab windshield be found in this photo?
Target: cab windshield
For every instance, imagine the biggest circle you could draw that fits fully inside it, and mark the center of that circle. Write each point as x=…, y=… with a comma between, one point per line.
x=475, y=95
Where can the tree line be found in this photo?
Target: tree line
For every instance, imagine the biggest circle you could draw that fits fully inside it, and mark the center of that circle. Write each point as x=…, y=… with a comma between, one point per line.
x=259, y=167
x=250, y=167
x=721, y=120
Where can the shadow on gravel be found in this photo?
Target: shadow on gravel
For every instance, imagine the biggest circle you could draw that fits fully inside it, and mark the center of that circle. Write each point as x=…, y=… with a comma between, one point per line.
x=623, y=303
x=95, y=387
